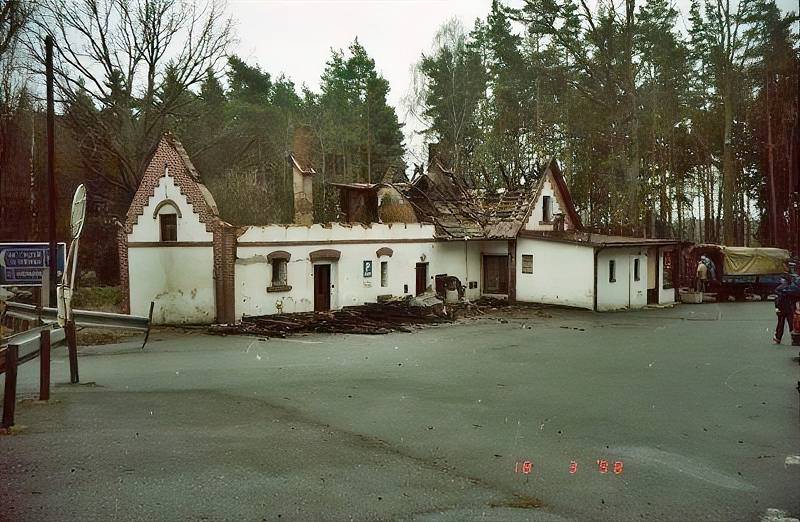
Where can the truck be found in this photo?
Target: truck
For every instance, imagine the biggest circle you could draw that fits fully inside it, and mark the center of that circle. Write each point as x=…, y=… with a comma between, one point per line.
x=740, y=271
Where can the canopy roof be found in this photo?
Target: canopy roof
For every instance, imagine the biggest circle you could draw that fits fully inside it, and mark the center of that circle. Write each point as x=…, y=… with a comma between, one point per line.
x=754, y=261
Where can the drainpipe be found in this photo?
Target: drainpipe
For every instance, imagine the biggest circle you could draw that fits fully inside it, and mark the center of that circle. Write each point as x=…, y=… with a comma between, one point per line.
x=466, y=265
x=596, y=253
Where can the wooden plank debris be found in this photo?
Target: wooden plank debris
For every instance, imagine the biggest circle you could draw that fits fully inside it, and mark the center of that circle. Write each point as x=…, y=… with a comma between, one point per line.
x=370, y=319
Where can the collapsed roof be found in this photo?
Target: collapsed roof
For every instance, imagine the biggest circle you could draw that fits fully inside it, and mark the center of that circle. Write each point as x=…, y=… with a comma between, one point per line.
x=458, y=212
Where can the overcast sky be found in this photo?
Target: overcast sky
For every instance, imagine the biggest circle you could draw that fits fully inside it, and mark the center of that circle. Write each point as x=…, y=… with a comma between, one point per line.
x=295, y=36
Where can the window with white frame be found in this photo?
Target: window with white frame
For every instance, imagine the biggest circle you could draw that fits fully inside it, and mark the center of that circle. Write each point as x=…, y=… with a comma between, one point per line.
x=527, y=263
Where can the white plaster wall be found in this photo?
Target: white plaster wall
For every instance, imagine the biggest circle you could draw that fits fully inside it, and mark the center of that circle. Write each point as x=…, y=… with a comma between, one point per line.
x=665, y=295
x=625, y=292
x=538, y=208
x=254, y=275
x=463, y=259
x=178, y=279
x=562, y=273
x=189, y=226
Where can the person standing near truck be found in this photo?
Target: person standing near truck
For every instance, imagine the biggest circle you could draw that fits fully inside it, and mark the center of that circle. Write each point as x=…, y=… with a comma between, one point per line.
x=784, y=306
x=712, y=268
x=702, y=276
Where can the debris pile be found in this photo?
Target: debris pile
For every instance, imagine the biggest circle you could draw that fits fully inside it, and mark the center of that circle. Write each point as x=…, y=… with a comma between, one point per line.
x=397, y=315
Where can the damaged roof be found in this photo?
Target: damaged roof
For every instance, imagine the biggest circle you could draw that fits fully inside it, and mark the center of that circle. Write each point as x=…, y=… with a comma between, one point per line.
x=449, y=206
x=459, y=212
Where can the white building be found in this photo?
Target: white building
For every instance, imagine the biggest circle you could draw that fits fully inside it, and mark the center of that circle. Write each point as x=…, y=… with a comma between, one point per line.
x=395, y=239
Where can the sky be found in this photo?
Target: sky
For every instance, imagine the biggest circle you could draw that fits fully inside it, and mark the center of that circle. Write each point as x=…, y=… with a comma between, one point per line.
x=295, y=37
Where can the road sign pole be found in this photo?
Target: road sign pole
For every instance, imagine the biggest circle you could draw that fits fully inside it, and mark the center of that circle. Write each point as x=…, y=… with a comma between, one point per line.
x=10, y=392
x=44, y=365
x=72, y=351
x=51, y=175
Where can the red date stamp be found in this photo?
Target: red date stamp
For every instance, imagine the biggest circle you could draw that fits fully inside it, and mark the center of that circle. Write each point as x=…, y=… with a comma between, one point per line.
x=525, y=467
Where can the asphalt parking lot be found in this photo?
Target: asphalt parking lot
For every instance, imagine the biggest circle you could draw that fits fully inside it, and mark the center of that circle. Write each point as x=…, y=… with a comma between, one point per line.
x=692, y=410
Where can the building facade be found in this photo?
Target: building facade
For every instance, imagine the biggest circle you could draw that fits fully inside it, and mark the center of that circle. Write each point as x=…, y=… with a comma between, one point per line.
x=393, y=240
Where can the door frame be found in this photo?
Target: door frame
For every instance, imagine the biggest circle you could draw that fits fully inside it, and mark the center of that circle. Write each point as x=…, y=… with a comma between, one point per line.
x=502, y=270
x=322, y=267
x=417, y=279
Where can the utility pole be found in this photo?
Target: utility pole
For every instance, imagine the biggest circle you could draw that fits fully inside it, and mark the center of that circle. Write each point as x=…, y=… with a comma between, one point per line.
x=51, y=175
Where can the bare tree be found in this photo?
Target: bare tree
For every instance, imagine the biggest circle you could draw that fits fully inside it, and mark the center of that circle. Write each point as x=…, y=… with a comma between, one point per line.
x=123, y=67
x=14, y=16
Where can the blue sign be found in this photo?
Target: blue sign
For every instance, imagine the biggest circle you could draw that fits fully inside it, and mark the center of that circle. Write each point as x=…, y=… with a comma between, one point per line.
x=21, y=264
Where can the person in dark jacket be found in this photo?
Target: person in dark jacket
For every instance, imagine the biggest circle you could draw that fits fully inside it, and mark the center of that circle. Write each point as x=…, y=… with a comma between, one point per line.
x=786, y=294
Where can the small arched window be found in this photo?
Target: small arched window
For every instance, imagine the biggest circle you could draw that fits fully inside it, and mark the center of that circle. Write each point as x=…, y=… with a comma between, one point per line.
x=167, y=213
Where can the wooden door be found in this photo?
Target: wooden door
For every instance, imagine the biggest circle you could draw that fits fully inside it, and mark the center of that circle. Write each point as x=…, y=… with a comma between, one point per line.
x=495, y=274
x=322, y=288
x=422, y=278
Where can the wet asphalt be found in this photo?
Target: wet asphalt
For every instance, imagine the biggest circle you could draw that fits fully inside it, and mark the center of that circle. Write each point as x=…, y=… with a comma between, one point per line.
x=687, y=413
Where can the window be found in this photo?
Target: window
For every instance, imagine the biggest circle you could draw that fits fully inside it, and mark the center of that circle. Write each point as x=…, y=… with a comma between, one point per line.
x=527, y=263
x=169, y=227
x=547, y=210
x=384, y=273
x=279, y=272
x=636, y=276
x=612, y=271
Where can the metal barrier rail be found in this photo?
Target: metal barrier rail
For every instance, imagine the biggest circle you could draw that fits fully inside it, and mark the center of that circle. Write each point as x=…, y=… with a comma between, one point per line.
x=27, y=346
x=37, y=342
x=80, y=317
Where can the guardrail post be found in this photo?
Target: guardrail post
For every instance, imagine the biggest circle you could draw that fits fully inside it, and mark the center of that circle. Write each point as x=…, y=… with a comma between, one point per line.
x=10, y=393
x=44, y=366
x=72, y=348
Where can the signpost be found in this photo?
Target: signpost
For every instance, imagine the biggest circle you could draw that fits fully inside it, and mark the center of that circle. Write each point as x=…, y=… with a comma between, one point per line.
x=21, y=264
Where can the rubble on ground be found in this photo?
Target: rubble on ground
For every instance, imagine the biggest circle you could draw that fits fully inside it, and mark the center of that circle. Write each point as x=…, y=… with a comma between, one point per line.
x=390, y=315
x=370, y=318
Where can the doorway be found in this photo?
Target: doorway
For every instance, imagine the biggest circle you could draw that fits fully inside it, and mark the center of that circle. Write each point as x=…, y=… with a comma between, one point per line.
x=322, y=288
x=495, y=274
x=422, y=278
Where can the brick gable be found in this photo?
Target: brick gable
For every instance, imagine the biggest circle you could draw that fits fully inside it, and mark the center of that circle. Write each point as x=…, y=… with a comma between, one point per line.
x=170, y=153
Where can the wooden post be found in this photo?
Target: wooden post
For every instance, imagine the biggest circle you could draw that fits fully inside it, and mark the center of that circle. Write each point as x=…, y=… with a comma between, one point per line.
x=72, y=347
x=44, y=366
x=10, y=393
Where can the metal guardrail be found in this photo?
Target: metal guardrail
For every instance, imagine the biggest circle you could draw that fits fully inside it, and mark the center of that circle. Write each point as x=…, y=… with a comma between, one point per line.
x=28, y=344
x=80, y=317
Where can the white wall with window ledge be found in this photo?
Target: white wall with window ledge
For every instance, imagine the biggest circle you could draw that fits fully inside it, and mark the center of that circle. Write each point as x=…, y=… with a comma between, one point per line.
x=254, y=275
x=562, y=273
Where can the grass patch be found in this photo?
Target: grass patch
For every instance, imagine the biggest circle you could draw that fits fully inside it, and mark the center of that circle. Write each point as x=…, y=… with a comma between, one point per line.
x=98, y=298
